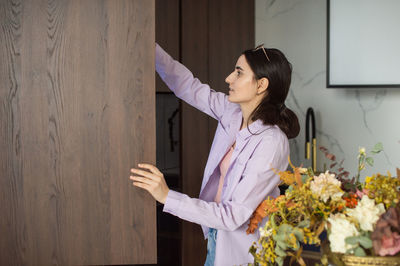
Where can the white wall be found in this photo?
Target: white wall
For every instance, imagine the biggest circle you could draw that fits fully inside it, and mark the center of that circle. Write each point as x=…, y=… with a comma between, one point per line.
x=346, y=119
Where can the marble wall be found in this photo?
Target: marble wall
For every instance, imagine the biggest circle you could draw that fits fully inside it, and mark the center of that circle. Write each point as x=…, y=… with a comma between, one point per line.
x=346, y=119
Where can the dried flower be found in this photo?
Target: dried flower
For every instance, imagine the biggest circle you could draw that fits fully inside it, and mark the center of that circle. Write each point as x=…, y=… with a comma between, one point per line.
x=366, y=206
x=357, y=215
x=383, y=189
x=390, y=245
x=303, y=170
x=351, y=200
x=326, y=186
x=361, y=193
x=361, y=151
x=386, y=236
x=340, y=229
x=265, y=232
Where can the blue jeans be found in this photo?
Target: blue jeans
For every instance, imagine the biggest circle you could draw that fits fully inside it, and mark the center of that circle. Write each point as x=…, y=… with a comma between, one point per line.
x=212, y=238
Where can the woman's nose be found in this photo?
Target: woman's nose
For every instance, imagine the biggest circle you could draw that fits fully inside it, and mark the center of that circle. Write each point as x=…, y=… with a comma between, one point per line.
x=227, y=79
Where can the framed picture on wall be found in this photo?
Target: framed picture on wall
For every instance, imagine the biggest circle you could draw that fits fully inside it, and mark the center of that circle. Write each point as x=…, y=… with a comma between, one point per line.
x=363, y=43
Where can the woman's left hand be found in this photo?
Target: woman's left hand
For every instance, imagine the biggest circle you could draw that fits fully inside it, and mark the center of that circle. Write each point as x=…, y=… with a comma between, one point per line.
x=152, y=181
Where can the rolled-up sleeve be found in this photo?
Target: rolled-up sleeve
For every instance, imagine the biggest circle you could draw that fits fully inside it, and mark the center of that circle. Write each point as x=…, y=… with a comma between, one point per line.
x=181, y=82
x=257, y=182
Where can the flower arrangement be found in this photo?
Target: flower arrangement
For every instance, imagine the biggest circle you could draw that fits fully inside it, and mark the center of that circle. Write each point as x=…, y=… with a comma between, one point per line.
x=360, y=218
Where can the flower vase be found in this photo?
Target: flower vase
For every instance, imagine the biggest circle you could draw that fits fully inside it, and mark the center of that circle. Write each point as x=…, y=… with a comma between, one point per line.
x=350, y=260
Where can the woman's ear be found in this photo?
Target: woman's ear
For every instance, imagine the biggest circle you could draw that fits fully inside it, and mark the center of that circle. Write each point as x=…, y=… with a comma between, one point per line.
x=262, y=85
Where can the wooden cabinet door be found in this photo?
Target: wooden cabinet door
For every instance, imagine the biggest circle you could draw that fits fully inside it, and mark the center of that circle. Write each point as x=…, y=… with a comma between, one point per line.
x=77, y=111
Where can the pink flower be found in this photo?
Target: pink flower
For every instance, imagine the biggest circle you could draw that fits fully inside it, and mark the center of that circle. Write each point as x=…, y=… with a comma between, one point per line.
x=360, y=194
x=386, y=238
x=390, y=245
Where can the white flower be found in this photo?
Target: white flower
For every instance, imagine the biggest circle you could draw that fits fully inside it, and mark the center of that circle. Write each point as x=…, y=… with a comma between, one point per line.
x=326, y=186
x=367, y=213
x=265, y=232
x=361, y=151
x=341, y=228
x=303, y=170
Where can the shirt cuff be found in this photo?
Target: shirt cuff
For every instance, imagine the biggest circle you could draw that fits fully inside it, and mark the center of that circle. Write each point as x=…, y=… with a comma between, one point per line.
x=172, y=202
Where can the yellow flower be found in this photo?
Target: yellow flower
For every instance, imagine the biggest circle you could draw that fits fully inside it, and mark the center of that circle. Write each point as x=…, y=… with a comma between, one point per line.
x=383, y=189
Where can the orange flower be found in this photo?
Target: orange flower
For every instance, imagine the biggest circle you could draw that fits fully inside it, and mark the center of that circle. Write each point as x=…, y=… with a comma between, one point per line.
x=351, y=201
x=288, y=177
x=258, y=215
x=290, y=204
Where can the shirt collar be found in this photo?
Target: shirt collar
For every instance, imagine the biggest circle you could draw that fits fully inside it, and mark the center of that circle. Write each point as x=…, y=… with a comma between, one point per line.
x=254, y=128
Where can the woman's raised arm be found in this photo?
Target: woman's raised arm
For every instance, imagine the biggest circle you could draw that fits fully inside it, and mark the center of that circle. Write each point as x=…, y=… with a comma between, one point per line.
x=188, y=88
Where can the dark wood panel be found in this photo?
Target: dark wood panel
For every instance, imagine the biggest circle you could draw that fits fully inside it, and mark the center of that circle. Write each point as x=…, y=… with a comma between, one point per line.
x=132, y=129
x=77, y=112
x=169, y=227
x=195, y=141
x=12, y=242
x=167, y=32
x=231, y=31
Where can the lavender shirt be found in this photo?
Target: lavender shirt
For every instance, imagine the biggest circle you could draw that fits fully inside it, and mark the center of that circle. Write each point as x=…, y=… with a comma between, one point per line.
x=249, y=178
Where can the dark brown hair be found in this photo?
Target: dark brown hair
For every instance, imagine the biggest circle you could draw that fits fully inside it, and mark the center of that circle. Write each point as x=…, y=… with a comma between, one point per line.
x=278, y=70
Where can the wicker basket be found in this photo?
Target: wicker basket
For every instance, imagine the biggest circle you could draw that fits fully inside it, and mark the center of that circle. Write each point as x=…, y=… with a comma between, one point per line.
x=349, y=260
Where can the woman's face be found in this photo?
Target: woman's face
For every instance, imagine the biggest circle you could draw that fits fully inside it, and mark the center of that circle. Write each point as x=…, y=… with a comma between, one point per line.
x=242, y=85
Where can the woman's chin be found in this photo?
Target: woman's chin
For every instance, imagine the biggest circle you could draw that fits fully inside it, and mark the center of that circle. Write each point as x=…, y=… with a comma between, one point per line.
x=231, y=98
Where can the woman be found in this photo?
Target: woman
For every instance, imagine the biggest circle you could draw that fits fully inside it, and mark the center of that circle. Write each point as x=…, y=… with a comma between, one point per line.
x=250, y=143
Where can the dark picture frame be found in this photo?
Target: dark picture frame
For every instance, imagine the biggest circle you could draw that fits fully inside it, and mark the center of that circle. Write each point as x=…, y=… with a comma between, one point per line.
x=363, y=40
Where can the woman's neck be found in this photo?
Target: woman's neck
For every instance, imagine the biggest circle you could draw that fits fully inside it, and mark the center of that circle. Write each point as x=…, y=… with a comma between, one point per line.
x=247, y=109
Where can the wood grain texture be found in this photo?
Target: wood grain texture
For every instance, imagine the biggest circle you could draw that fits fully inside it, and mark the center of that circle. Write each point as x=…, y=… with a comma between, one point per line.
x=194, y=124
x=231, y=31
x=167, y=32
x=13, y=240
x=77, y=112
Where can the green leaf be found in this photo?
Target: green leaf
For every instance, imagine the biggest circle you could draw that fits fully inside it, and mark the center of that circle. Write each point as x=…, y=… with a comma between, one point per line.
x=304, y=178
x=370, y=161
x=279, y=260
x=304, y=223
x=359, y=252
x=366, y=242
x=349, y=186
x=280, y=252
x=352, y=240
x=377, y=148
x=279, y=237
x=298, y=233
x=272, y=219
x=349, y=251
x=310, y=171
x=281, y=244
x=285, y=228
